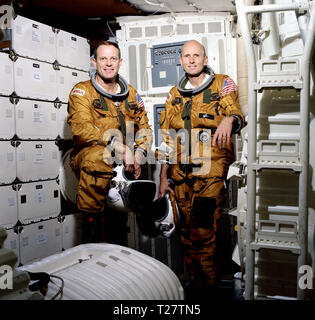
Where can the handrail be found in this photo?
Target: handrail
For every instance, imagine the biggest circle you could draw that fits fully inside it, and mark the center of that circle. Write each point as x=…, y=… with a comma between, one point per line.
x=252, y=132
x=301, y=7
x=304, y=145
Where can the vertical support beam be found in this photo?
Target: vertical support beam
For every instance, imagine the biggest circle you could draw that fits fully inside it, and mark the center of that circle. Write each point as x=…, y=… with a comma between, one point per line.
x=304, y=148
x=252, y=134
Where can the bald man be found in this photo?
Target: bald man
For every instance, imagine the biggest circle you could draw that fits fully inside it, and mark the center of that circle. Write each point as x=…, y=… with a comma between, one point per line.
x=203, y=111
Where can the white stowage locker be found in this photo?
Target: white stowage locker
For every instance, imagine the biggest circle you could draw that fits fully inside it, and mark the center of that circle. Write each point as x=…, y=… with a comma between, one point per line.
x=37, y=160
x=71, y=230
x=12, y=243
x=66, y=79
x=39, y=240
x=36, y=120
x=35, y=79
x=8, y=200
x=167, y=25
x=8, y=162
x=103, y=271
x=73, y=51
x=7, y=122
x=33, y=39
x=38, y=200
x=64, y=129
x=6, y=71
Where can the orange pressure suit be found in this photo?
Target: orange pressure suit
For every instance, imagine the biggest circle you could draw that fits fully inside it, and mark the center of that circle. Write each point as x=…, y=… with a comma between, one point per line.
x=91, y=115
x=200, y=197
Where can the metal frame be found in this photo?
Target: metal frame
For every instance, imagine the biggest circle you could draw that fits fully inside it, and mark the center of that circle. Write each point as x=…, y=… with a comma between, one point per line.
x=300, y=8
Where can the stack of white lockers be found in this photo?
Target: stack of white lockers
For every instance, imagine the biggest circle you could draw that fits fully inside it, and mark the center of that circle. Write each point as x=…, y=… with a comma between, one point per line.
x=36, y=77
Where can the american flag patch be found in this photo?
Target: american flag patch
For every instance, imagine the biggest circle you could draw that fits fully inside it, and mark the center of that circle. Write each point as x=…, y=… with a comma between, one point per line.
x=228, y=86
x=139, y=101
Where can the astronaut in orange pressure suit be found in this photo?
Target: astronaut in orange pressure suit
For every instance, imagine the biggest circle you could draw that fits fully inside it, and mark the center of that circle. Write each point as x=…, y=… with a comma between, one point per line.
x=203, y=110
x=100, y=109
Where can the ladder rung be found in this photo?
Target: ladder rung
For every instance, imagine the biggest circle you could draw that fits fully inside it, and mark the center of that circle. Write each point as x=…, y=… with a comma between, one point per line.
x=294, y=167
x=276, y=244
x=275, y=85
x=281, y=73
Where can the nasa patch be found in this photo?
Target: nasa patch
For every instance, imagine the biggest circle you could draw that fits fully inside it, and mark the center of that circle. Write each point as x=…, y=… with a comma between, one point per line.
x=78, y=92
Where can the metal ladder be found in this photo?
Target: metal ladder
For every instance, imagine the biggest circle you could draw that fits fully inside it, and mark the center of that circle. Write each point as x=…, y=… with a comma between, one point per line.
x=256, y=161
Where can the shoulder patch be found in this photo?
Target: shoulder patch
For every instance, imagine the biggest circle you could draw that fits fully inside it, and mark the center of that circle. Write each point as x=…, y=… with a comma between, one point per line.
x=169, y=97
x=139, y=101
x=78, y=92
x=228, y=86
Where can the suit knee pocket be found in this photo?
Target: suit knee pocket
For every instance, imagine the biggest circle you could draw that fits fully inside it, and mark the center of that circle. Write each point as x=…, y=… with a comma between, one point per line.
x=202, y=214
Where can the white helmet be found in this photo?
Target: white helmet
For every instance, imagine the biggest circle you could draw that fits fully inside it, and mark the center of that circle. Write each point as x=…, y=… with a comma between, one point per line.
x=157, y=218
x=126, y=194
x=153, y=217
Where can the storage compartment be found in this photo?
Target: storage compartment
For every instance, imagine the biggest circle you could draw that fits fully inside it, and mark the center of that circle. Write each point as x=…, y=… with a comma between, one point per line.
x=38, y=200
x=39, y=240
x=7, y=122
x=8, y=162
x=8, y=200
x=36, y=120
x=37, y=160
x=33, y=39
x=35, y=79
x=6, y=71
x=73, y=51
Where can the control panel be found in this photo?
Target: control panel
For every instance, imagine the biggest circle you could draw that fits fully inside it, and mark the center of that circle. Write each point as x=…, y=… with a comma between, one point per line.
x=166, y=68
